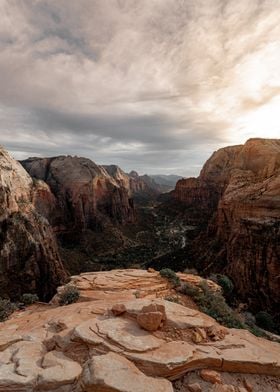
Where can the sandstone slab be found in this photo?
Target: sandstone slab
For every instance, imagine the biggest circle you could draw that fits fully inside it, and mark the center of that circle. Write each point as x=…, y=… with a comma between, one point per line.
x=114, y=373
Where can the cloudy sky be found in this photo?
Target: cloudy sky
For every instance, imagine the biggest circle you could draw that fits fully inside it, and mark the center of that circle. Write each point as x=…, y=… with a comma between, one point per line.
x=151, y=85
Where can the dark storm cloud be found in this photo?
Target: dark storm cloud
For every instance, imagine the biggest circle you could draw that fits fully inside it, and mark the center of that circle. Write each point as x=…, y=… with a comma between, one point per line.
x=154, y=85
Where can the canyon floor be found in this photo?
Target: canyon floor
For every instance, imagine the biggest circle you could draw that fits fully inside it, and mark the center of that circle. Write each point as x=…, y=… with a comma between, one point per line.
x=125, y=336
x=155, y=235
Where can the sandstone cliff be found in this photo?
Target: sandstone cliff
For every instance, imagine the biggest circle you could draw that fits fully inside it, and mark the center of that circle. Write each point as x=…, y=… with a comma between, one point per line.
x=105, y=343
x=138, y=186
x=29, y=259
x=238, y=197
x=82, y=194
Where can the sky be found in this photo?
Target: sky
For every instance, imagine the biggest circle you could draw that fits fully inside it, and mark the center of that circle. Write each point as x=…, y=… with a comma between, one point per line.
x=150, y=85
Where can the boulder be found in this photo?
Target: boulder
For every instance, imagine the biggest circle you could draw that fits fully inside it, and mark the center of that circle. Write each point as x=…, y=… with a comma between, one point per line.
x=211, y=376
x=114, y=373
x=118, y=309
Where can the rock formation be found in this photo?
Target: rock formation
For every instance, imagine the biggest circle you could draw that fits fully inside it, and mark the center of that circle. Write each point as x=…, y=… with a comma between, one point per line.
x=237, y=196
x=85, y=347
x=85, y=195
x=29, y=259
x=140, y=187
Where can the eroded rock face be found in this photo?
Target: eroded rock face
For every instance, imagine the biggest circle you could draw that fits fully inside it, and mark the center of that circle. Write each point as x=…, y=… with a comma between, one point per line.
x=84, y=347
x=137, y=186
x=29, y=259
x=238, y=196
x=85, y=195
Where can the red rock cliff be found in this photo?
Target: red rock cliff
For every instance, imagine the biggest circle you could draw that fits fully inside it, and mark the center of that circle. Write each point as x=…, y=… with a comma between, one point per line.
x=29, y=259
x=238, y=191
x=85, y=195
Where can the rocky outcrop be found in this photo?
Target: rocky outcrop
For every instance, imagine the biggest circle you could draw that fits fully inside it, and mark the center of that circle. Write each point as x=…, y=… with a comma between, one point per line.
x=238, y=196
x=29, y=259
x=140, y=187
x=85, y=347
x=85, y=195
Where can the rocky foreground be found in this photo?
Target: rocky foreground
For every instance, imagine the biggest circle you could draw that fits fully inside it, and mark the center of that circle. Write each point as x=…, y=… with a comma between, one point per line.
x=124, y=336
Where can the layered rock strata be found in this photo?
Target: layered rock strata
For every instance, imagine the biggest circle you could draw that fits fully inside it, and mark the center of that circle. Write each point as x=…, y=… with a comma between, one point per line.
x=237, y=196
x=29, y=259
x=85, y=347
x=84, y=195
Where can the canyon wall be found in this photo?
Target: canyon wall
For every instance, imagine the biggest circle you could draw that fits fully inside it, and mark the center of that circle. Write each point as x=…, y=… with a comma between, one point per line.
x=238, y=195
x=79, y=194
x=29, y=259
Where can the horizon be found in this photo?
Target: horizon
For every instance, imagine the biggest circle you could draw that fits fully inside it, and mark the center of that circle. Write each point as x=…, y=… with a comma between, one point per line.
x=135, y=169
x=152, y=86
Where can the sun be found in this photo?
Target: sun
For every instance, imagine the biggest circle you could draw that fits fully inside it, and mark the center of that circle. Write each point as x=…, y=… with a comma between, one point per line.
x=263, y=122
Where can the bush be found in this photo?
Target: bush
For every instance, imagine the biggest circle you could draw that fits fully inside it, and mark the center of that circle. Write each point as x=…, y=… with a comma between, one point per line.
x=190, y=290
x=29, y=299
x=264, y=320
x=213, y=304
x=226, y=284
x=6, y=308
x=224, y=281
x=69, y=295
x=170, y=275
x=171, y=298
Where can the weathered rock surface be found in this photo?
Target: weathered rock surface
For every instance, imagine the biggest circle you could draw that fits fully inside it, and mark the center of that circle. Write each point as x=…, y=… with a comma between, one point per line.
x=86, y=196
x=238, y=196
x=123, y=376
x=29, y=259
x=84, y=347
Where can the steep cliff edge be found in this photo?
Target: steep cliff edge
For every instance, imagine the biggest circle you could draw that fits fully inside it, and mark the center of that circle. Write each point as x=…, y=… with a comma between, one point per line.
x=29, y=259
x=85, y=195
x=140, y=187
x=123, y=336
x=238, y=197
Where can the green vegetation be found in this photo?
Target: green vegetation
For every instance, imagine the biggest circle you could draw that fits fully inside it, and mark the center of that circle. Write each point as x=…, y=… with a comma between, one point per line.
x=225, y=282
x=6, y=308
x=265, y=320
x=69, y=295
x=173, y=298
x=213, y=304
x=29, y=299
x=171, y=276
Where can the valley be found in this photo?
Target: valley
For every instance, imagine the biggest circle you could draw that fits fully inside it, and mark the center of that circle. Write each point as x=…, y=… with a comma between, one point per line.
x=98, y=218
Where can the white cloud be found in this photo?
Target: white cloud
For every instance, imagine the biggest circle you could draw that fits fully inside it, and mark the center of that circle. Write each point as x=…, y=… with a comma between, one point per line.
x=151, y=84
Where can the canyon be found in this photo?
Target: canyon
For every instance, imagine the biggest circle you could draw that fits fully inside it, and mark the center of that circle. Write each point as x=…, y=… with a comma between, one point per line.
x=132, y=329
x=238, y=193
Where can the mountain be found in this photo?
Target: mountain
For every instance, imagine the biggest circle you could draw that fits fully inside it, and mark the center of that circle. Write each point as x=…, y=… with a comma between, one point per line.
x=85, y=195
x=166, y=180
x=29, y=257
x=236, y=203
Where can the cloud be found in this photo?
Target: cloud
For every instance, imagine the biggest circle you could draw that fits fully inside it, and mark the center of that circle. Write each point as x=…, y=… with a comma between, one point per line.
x=153, y=85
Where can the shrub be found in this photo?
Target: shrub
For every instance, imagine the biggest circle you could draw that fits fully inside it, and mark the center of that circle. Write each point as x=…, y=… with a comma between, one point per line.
x=171, y=298
x=224, y=281
x=69, y=295
x=226, y=284
x=190, y=290
x=170, y=275
x=264, y=320
x=29, y=299
x=213, y=304
x=6, y=308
